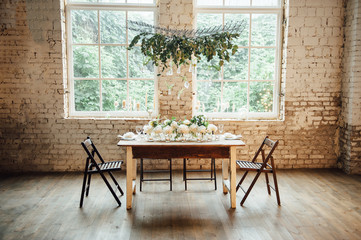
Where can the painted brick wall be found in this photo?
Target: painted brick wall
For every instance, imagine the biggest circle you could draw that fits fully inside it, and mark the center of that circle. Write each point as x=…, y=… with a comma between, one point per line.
x=350, y=123
x=35, y=136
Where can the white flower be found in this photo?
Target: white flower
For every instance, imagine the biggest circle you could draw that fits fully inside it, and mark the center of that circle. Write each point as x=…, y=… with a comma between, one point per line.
x=168, y=130
x=193, y=128
x=187, y=122
x=148, y=129
x=202, y=129
x=174, y=124
x=183, y=129
x=212, y=128
x=167, y=122
x=158, y=129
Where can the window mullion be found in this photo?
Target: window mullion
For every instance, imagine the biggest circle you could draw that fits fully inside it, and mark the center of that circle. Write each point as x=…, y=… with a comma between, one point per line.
x=127, y=58
x=100, y=66
x=249, y=61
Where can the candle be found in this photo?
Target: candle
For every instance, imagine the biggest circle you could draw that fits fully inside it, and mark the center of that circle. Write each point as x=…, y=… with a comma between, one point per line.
x=124, y=103
x=146, y=100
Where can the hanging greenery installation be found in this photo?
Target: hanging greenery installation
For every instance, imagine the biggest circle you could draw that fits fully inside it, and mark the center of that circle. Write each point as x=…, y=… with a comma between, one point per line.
x=163, y=47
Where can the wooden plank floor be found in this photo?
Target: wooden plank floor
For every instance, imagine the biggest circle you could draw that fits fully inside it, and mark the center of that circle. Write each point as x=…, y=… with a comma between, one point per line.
x=316, y=204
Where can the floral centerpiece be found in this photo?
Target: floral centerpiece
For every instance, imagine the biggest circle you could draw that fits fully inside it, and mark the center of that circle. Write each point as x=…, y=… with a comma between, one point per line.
x=170, y=129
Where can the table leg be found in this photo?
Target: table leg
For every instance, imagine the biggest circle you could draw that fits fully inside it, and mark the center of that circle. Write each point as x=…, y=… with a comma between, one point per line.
x=225, y=175
x=134, y=175
x=232, y=160
x=130, y=173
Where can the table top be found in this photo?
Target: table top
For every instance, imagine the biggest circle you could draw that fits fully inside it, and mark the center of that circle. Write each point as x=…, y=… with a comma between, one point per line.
x=216, y=143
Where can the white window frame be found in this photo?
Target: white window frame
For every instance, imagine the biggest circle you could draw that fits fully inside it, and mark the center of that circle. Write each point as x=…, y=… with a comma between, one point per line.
x=127, y=7
x=275, y=114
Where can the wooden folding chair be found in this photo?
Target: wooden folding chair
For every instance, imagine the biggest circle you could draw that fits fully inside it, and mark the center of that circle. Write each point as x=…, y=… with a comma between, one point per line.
x=92, y=166
x=260, y=167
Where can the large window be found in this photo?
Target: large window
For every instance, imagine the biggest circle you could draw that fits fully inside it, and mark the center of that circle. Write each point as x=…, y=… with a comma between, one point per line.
x=105, y=79
x=247, y=87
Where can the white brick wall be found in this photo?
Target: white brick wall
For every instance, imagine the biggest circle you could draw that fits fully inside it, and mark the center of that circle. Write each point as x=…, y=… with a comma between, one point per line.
x=350, y=122
x=35, y=136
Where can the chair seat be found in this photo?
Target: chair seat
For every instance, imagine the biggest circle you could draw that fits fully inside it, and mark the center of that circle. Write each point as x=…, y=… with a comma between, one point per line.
x=107, y=166
x=253, y=166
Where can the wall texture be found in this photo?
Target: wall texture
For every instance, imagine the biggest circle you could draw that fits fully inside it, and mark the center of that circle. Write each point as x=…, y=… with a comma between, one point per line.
x=35, y=136
x=350, y=122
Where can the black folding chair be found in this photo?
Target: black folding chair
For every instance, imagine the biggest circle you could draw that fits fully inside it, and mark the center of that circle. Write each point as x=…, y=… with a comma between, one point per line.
x=92, y=166
x=212, y=171
x=260, y=167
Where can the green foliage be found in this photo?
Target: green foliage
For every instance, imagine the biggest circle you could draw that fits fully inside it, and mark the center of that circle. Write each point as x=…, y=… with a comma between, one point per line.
x=162, y=49
x=86, y=95
x=200, y=120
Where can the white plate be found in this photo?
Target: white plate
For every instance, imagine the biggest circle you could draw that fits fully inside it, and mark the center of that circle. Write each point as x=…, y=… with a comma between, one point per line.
x=234, y=137
x=128, y=139
x=229, y=138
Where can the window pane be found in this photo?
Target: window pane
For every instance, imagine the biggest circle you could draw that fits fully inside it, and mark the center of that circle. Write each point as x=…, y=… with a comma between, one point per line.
x=137, y=69
x=208, y=70
x=112, y=27
x=265, y=3
x=86, y=94
x=234, y=96
x=210, y=2
x=237, y=3
x=261, y=97
x=86, y=61
x=84, y=25
x=263, y=63
x=147, y=17
x=209, y=96
x=114, y=92
x=114, y=62
x=206, y=20
x=237, y=67
x=141, y=94
x=264, y=29
x=244, y=37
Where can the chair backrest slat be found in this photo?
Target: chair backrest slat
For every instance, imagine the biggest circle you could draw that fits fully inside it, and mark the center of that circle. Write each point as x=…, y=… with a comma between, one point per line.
x=87, y=142
x=269, y=142
x=272, y=145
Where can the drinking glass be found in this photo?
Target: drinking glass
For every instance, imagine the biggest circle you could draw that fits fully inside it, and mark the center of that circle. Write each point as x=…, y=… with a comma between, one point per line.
x=139, y=130
x=220, y=128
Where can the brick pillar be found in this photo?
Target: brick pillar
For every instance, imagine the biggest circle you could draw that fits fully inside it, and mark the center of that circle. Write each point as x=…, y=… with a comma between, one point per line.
x=350, y=124
x=177, y=102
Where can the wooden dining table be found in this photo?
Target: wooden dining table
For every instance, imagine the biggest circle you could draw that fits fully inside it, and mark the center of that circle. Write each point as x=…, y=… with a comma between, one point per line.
x=224, y=149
